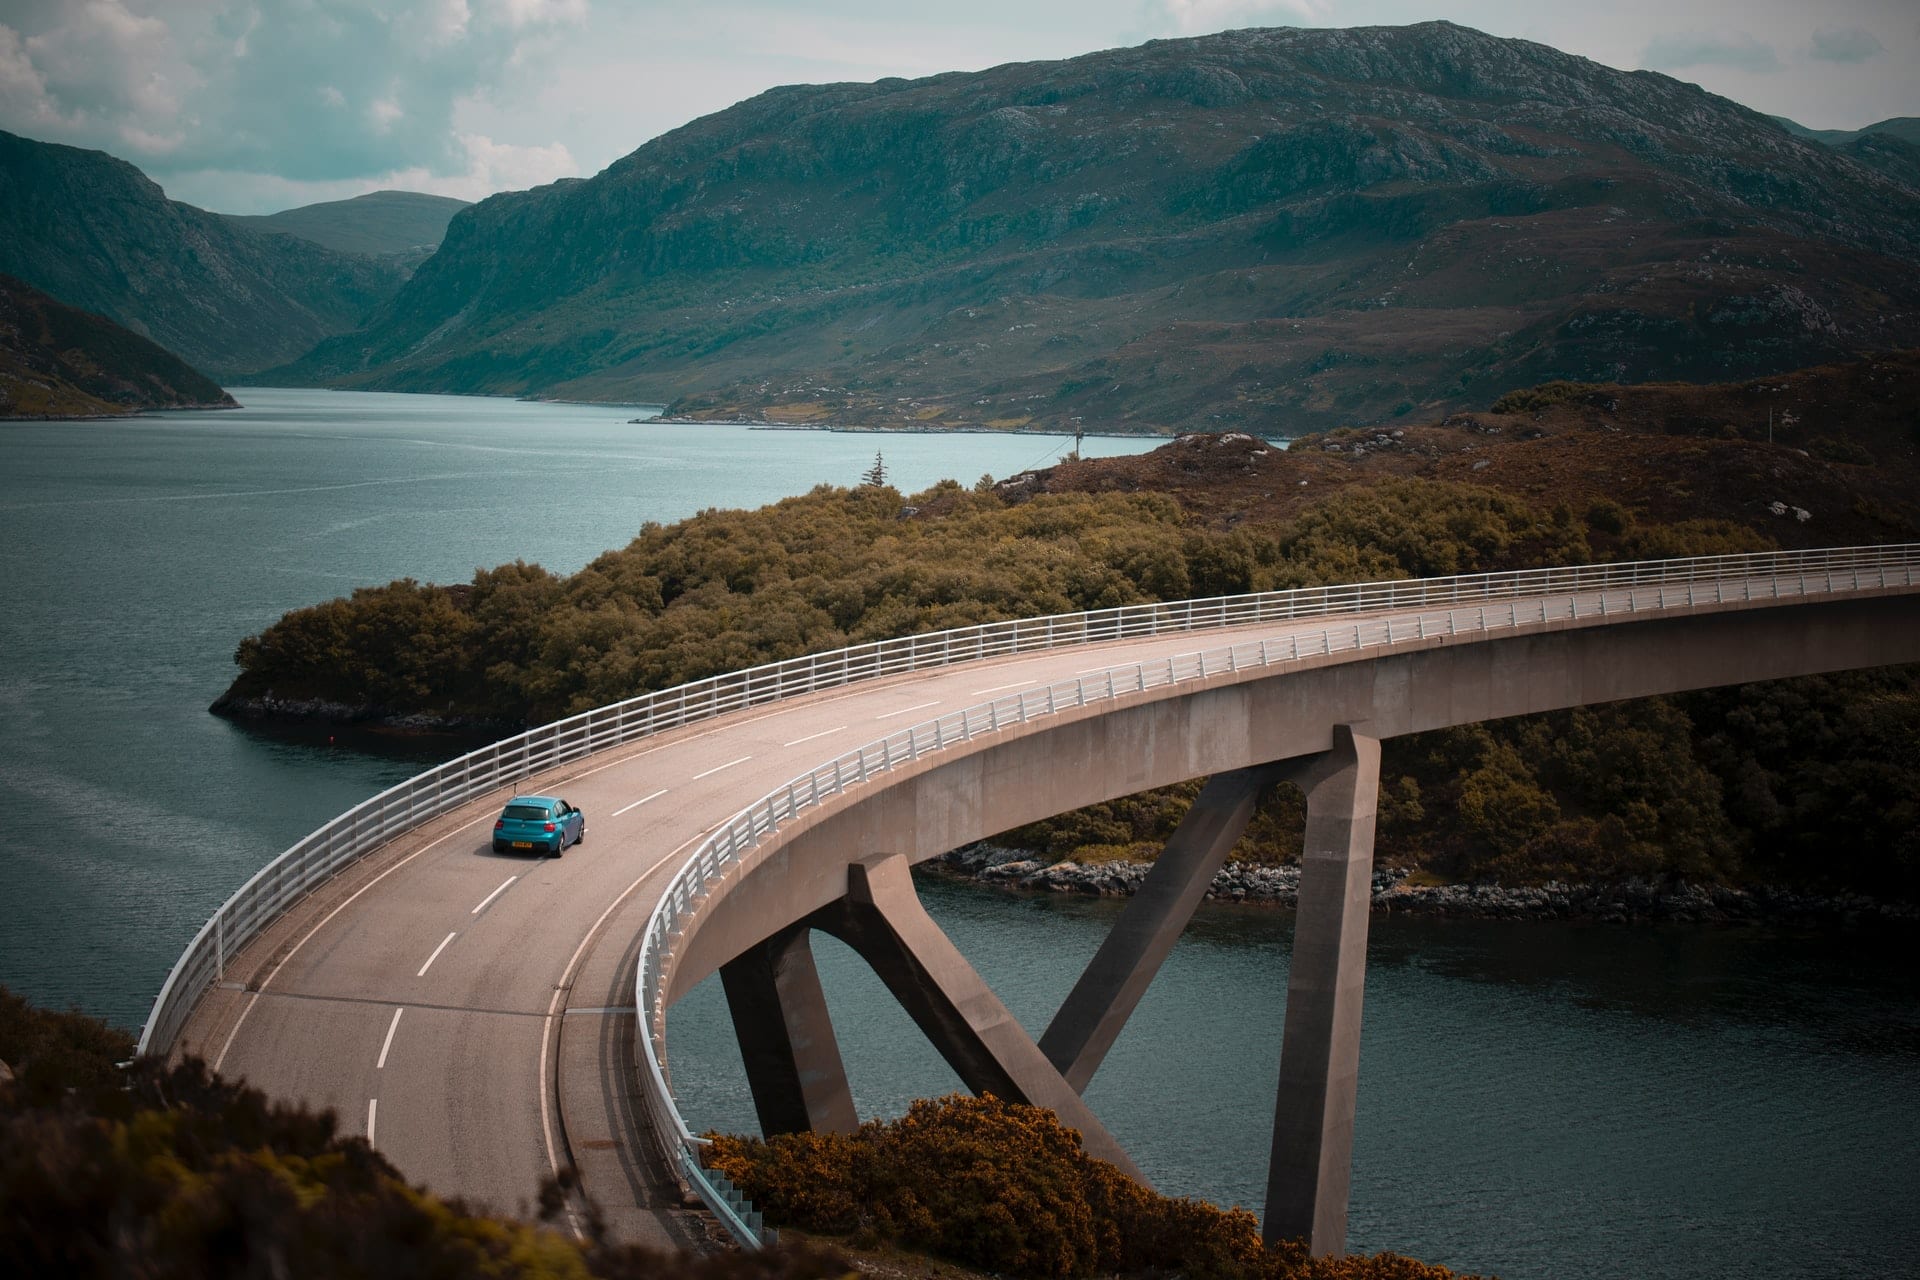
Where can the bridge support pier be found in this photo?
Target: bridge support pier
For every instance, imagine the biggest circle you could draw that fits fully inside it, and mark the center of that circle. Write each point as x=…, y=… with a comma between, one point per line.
x=882, y=919
x=786, y=1037
x=1311, y=1168
x=1095, y=1011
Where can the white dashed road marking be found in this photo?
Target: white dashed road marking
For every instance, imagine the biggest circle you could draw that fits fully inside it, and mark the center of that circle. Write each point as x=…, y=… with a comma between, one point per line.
x=388, y=1042
x=717, y=768
x=642, y=800
x=490, y=897
x=436, y=954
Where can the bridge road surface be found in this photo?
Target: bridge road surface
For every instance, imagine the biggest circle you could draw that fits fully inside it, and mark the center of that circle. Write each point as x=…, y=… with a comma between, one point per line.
x=471, y=1013
x=429, y=992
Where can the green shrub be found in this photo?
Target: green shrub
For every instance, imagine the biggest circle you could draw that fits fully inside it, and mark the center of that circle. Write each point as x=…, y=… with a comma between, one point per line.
x=171, y=1173
x=1546, y=395
x=1007, y=1188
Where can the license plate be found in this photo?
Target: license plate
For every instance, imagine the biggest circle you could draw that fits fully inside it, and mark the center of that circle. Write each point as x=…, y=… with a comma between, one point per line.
x=523, y=844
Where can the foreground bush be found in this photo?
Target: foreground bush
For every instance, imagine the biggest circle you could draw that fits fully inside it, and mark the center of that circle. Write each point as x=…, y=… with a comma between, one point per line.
x=161, y=1172
x=1006, y=1188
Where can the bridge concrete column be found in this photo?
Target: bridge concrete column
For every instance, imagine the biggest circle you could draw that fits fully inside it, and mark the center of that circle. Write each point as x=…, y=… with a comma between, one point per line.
x=882, y=919
x=1091, y=1017
x=786, y=1037
x=1311, y=1167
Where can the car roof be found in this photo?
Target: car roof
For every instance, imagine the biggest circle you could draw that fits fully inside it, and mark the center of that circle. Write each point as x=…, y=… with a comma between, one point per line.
x=534, y=800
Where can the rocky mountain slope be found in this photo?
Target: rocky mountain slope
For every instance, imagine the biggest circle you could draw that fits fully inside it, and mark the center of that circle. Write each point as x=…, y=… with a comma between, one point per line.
x=96, y=233
x=1271, y=229
x=59, y=362
x=403, y=225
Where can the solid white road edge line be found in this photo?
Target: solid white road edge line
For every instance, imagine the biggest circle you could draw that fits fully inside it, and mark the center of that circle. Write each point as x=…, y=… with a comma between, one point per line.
x=642, y=800
x=918, y=706
x=436, y=953
x=1018, y=684
x=553, y=1006
x=388, y=1042
x=810, y=737
x=490, y=897
x=717, y=768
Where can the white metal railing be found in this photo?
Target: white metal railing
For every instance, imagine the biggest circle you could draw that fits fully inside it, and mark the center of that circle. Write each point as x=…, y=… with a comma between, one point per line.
x=319, y=856
x=723, y=851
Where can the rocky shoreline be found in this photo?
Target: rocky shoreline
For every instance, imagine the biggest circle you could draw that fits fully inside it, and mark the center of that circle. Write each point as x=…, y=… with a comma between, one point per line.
x=271, y=707
x=1621, y=902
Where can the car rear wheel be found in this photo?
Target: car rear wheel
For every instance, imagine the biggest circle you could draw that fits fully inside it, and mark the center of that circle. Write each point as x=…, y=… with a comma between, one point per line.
x=559, y=843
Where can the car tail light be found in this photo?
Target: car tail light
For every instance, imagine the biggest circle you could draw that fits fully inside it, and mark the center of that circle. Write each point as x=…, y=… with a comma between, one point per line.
x=549, y=826
x=498, y=823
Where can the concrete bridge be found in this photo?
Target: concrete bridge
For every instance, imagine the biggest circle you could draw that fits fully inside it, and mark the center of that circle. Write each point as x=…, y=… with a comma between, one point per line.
x=488, y=1020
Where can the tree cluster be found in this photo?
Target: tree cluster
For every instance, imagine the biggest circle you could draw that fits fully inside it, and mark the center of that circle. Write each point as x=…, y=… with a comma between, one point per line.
x=1006, y=1188
x=1803, y=780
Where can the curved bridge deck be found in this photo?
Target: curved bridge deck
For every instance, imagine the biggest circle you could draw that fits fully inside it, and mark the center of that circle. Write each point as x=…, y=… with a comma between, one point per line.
x=475, y=1014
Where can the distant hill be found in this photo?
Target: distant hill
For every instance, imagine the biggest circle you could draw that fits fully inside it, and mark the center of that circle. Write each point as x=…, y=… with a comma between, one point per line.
x=1905, y=128
x=1273, y=229
x=59, y=362
x=96, y=233
x=382, y=224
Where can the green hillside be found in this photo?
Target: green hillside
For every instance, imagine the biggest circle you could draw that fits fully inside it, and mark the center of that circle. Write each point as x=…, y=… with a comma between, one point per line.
x=1274, y=230
x=96, y=233
x=59, y=362
x=381, y=224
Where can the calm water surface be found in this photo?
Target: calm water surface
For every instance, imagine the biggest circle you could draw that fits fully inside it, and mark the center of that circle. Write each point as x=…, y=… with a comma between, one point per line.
x=1536, y=1100
x=138, y=554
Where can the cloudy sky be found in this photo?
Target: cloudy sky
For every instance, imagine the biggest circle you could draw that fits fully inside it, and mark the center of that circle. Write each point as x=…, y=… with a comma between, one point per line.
x=248, y=106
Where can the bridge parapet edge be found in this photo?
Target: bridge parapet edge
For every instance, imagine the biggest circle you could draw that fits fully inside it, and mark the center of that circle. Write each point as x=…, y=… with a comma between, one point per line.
x=1653, y=588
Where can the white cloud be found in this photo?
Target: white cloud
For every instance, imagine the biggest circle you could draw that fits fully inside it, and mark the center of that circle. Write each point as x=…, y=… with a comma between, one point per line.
x=24, y=99
x=1684, y=50
x=529, y=13
x=1845, y=44
x=502, y=166
x=1194, y=17
x=116, y=69
x=201, y=86
x=450, y=18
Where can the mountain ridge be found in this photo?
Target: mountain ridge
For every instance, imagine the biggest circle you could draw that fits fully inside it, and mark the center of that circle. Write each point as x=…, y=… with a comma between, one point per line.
x=1279, y=229
x=405, y=225
x=98, y=234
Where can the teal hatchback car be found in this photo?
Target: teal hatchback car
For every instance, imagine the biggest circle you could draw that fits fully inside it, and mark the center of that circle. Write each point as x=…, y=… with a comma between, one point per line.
x=544, y=823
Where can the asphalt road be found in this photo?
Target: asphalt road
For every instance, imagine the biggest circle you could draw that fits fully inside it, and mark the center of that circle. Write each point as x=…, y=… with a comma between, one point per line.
x=471, y=1012
x=431, y=996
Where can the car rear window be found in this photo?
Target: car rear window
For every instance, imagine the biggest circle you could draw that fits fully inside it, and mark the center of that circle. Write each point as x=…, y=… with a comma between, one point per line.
x=526, y=812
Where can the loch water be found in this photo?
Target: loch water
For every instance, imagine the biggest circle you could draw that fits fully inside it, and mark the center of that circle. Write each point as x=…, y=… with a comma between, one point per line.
x=1536, y=1099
